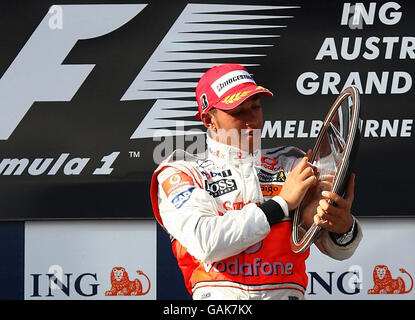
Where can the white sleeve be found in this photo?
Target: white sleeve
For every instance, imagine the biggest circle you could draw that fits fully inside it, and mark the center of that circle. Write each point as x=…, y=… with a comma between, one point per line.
x=329, y=247
x=195, y=222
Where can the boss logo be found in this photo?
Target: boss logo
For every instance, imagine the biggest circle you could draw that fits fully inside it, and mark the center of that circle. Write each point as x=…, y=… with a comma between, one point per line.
x=220, y=187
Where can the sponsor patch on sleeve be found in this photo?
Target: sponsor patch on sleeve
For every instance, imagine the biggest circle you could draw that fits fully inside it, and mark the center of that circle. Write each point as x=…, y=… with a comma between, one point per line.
x=176, y=181
x=182, y=198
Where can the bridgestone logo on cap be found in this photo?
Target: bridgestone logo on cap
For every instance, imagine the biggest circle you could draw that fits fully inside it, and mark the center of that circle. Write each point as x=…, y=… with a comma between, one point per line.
x=230, y=80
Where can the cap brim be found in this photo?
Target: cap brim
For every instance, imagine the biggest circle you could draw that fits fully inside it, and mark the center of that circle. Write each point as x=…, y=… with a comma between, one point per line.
x=238, y=96
x=234, y=99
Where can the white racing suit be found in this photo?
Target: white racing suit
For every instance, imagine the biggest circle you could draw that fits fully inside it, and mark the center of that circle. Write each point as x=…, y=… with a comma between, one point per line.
x=230, y=230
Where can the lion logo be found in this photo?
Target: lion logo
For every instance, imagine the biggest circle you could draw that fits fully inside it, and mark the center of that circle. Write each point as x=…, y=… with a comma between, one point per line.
x=121, y=285
x=385, y=284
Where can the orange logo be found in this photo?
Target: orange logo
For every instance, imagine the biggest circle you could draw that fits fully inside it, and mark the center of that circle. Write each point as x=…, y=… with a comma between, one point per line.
x=176, y=181
x=385, y=284
x=270, y=189
x=121, y=285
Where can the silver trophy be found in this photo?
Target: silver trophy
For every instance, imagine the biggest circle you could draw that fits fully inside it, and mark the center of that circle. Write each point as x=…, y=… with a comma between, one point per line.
x=333, y=156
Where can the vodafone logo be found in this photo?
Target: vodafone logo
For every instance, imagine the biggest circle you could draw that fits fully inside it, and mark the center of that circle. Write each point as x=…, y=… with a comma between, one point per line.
x=176, y=182
x=175, y=179
x=270, y=163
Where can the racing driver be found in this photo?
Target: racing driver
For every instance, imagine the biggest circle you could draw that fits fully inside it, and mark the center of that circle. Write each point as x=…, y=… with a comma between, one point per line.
x=228, y=211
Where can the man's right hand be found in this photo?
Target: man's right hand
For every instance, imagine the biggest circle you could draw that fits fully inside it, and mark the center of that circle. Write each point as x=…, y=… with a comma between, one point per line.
x=297, y=183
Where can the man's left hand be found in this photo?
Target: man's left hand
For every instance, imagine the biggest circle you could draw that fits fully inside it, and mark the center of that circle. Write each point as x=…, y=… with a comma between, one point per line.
x=336, y=218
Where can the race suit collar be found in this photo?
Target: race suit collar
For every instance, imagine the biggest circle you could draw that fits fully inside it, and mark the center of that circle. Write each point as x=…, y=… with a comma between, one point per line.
x=230, y=154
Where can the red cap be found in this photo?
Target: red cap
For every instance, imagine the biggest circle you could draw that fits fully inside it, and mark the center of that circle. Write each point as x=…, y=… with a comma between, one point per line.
x=225, y=87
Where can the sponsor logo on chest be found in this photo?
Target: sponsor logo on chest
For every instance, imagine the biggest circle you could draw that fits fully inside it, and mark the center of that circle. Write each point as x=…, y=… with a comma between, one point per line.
x=267, y=177
x=220, y=187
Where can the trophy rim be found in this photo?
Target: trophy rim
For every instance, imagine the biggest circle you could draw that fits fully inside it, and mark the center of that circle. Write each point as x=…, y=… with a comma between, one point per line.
x=301, y=245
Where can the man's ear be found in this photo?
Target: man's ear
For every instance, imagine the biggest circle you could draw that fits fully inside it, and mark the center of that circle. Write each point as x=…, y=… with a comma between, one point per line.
x=208, y=120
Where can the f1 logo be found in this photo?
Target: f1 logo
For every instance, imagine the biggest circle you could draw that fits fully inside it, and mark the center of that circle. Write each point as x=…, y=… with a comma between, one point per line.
x=37, y=73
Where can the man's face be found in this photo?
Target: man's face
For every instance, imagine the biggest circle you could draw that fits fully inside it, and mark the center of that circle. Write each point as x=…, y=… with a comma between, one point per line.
x=245, y=121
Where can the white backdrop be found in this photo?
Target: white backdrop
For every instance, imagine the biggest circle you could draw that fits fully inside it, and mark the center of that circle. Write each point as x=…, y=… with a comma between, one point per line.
x=83, y=253
x=387, y=242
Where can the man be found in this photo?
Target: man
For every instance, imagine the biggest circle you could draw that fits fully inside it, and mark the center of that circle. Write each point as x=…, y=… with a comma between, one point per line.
x=228, y=212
